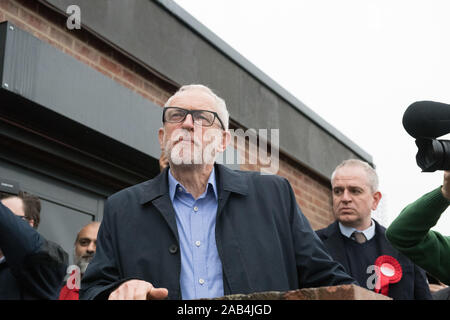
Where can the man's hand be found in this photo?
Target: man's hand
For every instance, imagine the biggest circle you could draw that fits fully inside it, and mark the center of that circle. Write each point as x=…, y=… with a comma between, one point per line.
x=137, y=290
x=446, y=185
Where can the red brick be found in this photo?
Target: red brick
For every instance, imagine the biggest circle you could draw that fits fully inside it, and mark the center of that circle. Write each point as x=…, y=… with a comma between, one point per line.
x=298, y=192
x=165, y=96
x=102, y=70
x=9, y=6
x=325, y=220
x=61, y=37
x=146, y=96
x=150, y=97
x=77, y=56
x=343, y=292
x=124, y=83
x=317, y=202
x=34, y=21
x=15, y=20
x=324, y=196
x=110, y=65
x=132, y=78
x=86, y=51
x=155, y=91
x=51, y=42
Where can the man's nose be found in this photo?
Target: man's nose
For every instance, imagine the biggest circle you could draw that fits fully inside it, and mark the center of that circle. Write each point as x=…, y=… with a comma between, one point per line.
x=91, y=248
x=346, y=196
x=188, y=122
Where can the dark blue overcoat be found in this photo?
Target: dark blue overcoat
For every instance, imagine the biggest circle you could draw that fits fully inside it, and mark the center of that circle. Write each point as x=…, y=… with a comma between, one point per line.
x=264, y=241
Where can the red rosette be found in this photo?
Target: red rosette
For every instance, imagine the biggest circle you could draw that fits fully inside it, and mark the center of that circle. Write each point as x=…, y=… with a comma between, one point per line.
x=388, y=271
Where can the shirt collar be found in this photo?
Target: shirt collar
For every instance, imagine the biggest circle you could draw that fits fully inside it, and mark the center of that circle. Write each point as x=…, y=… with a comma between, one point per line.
x=173, y=184
x=348, y=231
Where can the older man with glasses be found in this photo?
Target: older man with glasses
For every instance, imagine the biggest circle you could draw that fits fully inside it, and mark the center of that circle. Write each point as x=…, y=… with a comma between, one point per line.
x=201, y=230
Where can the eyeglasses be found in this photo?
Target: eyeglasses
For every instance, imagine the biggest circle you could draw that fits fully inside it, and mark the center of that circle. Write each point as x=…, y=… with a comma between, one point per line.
x=204, y=118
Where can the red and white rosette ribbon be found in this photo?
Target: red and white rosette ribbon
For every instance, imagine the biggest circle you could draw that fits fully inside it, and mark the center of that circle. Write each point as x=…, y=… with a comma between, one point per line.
x=388, y=271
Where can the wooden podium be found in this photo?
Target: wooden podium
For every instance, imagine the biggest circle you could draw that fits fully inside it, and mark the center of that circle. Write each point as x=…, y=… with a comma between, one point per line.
x=343, y=292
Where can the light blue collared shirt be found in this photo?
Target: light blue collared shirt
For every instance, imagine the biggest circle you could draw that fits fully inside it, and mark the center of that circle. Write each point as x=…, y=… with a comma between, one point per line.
x=348, y=231
x=201, y=268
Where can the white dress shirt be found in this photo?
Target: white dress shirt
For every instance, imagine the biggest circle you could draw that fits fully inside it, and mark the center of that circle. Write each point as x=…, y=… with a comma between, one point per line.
x=348, y=231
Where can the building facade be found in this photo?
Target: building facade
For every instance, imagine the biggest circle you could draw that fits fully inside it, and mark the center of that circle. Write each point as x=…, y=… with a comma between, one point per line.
x=80, y=107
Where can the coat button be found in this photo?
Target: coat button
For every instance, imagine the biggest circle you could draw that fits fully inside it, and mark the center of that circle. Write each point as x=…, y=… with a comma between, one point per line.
x=173, y=249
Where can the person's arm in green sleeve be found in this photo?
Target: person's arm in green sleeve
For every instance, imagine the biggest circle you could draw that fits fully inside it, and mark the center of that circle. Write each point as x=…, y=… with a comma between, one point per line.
x=410, y=232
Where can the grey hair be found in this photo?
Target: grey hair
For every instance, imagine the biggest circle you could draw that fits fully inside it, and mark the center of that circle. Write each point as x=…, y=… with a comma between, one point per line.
x=221, y=107
x=372, y=176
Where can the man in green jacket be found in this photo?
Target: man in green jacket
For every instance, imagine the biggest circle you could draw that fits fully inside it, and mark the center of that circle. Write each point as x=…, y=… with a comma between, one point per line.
x=410, y=232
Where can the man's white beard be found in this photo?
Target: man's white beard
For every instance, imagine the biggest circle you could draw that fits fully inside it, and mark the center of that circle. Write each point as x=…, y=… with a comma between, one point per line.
x=184, y=154
x=187, y=154
x=81, y=262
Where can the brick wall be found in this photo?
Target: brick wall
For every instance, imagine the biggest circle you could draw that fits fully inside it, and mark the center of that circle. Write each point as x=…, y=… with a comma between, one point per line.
x=312, y=192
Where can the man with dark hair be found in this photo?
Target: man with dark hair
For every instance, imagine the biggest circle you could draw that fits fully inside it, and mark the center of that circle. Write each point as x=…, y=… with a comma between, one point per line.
x=32, y=207
x=31, y=267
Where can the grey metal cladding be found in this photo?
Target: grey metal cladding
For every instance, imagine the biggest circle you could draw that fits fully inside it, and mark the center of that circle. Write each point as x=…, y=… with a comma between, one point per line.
x=161, y=35
x=45, y=75
x=3, y=39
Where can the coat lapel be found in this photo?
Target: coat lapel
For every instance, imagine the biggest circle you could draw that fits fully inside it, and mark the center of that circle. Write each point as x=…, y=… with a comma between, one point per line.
x=228, y=181
x=164, y=205
x=156, y=191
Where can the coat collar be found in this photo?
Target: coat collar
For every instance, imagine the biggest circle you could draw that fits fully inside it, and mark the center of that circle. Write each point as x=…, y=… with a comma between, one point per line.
x=230, y=180
x=154, y=188
x=226, y=179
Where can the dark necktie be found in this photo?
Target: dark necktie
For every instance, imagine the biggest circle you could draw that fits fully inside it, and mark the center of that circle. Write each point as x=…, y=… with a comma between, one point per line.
x=359, y=237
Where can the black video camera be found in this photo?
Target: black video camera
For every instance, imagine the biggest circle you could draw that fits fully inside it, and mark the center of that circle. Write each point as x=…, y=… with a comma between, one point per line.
x=425, y=121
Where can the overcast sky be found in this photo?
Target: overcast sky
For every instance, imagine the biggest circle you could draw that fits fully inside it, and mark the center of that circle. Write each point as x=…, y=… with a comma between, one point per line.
x=358, y=64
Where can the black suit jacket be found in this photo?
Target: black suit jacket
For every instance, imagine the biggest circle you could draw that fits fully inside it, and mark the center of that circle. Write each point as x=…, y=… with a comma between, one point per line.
x=263, y=240
x=413, y=284
x=34, y=267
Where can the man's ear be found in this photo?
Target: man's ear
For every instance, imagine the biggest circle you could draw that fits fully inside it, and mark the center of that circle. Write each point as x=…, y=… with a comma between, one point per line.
x=376, y=200
x=161, y=138
x=226, y=139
